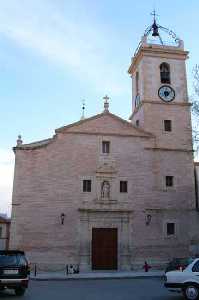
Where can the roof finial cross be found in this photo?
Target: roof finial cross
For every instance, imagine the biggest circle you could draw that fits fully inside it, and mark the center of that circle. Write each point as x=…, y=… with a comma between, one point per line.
x=106, y=103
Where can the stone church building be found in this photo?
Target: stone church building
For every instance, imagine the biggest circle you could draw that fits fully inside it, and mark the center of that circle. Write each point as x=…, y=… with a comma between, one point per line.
x=107, y=193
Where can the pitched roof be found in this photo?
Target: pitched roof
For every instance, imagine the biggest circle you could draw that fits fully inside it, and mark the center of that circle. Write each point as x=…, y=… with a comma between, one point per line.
x=105, y=123
x=37, y=144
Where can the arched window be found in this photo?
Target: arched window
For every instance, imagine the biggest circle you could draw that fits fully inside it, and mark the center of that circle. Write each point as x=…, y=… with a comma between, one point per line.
x=165, y=73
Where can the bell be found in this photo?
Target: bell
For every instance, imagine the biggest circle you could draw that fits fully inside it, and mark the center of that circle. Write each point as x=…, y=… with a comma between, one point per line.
x=155, y=29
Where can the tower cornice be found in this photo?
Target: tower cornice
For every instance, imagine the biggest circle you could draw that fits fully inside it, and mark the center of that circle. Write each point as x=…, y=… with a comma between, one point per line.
x=152, y=50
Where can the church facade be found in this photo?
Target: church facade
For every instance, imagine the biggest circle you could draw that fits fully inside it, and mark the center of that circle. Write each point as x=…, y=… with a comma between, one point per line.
x=105, y=193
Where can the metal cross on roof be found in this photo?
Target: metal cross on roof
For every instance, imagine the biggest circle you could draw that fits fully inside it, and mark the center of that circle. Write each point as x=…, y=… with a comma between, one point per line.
x=106, y=98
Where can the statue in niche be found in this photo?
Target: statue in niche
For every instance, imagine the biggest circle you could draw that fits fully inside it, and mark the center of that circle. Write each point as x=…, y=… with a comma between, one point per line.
x=105, y=189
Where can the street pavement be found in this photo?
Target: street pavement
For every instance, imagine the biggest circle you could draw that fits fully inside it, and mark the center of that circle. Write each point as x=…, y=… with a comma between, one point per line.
x=100, y=289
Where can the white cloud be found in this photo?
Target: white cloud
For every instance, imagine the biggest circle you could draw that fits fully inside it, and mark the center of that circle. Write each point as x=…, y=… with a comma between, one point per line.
x=60, y=39
x=6, y=180
x=63, y=39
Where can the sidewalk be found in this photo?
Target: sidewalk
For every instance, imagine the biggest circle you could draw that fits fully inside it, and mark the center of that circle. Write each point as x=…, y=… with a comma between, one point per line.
x=45, y=276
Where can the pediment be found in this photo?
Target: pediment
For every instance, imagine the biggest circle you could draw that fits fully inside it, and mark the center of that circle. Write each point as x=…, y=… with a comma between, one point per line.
x=105, y=123
x=106, y=168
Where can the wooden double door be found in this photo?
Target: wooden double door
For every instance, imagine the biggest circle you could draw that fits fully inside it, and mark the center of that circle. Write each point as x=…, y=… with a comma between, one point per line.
x=104, y=248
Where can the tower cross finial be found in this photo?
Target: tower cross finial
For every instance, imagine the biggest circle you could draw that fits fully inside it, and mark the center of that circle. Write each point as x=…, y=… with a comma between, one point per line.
x=154, y=15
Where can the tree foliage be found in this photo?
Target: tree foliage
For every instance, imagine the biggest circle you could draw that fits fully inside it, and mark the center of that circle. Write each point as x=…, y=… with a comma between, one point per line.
x=195, y=109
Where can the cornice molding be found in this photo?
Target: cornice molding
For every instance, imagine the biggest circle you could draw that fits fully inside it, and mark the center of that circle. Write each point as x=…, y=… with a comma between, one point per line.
x=168, y=149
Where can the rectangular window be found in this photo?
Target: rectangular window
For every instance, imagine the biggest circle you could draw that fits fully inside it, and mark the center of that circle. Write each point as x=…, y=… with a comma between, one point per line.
x=86, y=185
x=170, y=228
x=123, y=186
x=1, y=232
x=167, y=125
x=105, y=147
x=169, y=181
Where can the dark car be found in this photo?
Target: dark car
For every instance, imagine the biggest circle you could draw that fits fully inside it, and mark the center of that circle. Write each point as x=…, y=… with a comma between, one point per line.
x=178, y=264
x=14, y=271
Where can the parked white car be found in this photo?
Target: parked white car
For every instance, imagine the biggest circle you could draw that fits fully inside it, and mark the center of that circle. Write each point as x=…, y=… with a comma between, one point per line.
x=186, y=281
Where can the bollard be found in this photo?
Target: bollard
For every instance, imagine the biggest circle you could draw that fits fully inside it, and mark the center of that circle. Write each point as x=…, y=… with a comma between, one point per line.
x=66, y=269
x=35, y=270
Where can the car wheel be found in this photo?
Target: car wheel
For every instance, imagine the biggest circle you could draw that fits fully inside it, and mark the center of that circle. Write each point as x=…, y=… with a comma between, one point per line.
x=191, y=292
x=20, y=291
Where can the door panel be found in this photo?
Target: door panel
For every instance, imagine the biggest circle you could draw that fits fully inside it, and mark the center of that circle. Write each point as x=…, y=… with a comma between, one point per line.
x=104, y=248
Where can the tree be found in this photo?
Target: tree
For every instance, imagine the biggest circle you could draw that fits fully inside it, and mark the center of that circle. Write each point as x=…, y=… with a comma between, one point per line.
x=195, y=110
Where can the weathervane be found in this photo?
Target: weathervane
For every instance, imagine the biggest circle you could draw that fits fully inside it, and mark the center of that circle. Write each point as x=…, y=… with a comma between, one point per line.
x=83, y=110
x=106, y=103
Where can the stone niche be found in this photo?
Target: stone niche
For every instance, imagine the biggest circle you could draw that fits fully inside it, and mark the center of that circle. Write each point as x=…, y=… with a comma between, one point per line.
x=106, y=181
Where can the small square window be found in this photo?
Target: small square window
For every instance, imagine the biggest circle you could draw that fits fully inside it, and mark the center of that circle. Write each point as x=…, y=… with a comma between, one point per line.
x=123, y=186
x=105, y=147
x=170, y=228
x=86, y=185
x=169, y=181
x=167, y=125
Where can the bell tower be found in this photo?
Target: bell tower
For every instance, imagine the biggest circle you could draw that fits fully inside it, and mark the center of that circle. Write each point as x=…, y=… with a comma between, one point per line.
x=159, y=88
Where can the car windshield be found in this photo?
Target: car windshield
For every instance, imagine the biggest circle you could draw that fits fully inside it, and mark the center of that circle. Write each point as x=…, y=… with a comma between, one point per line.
x=9, y=260
x=190, y=260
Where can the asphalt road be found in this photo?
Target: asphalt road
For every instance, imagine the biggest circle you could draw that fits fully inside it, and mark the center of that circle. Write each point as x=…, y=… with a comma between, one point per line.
x=109, y=289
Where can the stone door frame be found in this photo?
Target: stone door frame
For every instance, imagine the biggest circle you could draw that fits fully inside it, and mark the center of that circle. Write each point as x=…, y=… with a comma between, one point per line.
x=93, y=218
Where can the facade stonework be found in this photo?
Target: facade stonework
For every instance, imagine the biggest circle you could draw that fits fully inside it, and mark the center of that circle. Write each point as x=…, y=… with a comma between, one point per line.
x=49, y=178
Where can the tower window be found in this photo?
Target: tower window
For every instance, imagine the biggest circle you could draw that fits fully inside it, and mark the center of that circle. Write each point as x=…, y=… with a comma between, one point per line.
x=137, y=83
x=167, y=125
x=137, y=123
x=105, y=147
x=170, y=228
x=86, y=185
x=123, y=187
x=169, y=181
x=165, y=73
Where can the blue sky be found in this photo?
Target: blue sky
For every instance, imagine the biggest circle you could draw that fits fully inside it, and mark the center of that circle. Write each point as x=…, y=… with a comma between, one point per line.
x=53, y=54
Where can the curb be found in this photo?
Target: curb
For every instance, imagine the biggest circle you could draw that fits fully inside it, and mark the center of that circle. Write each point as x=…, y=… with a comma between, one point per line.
x=96, y=278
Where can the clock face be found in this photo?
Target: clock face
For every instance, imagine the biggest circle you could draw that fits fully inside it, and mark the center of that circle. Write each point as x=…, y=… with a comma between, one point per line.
x=166, y=93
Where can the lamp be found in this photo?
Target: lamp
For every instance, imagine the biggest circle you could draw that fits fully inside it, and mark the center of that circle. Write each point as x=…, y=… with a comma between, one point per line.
x=148, y=219
x=62, y=217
